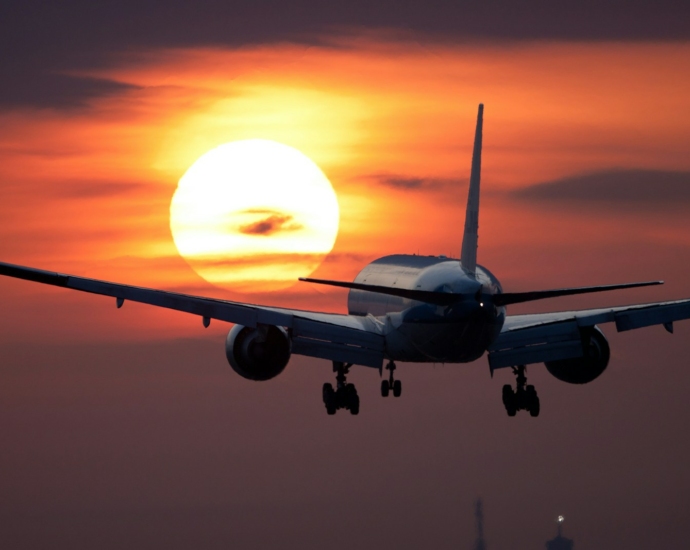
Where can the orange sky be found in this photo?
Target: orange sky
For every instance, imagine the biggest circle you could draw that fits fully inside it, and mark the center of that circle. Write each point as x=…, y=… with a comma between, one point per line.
x=88, y=191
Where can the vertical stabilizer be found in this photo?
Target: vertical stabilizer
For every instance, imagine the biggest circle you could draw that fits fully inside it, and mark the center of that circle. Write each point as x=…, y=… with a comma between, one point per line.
x=468, y=255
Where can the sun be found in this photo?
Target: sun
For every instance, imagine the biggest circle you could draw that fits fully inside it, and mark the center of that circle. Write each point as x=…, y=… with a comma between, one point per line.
x=254, y=215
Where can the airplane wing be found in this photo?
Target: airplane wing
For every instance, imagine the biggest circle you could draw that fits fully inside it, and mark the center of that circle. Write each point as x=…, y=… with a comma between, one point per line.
x=541, y=337
x=331, y=336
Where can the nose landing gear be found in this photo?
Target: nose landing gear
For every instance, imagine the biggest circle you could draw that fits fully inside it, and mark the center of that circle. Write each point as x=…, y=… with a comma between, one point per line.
x=391, y=383
x=345, y=395
x=523, y=397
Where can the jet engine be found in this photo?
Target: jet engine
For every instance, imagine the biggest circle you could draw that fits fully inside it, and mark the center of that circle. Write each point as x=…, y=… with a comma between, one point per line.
x=582, y=370
x=259, y=353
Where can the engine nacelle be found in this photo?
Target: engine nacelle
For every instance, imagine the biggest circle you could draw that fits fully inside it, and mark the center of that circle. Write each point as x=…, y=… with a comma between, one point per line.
x=582, y=370
x=259, y=353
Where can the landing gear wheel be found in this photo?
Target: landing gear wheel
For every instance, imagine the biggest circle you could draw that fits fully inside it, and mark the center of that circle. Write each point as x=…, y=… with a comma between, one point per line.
x=397, y=388
x=345, y=396
x=354, y=404
x=532, y=401
x=351, y=399
x=329, y=399
x=509, y=400
x=523, y=397
x=385, y=388
x=391, y=383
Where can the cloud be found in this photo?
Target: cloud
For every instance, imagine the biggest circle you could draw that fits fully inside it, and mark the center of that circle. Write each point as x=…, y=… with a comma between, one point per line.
x=633, y=187
x=89, y=190
x=254, y=260
x=274, y=222
x=412, y=183
x=42, y=88
x=75, y=189
x=42, y=41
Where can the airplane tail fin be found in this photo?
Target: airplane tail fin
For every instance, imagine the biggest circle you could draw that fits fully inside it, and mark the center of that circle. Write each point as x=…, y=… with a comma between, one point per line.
x=468, y=255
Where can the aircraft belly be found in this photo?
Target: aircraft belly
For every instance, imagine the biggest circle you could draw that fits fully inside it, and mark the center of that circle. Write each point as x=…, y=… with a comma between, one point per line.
x=434, y=342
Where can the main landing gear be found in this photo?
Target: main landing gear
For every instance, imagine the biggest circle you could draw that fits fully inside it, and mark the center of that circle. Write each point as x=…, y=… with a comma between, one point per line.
x=345, y=395
x=523, y=397
x=391, y=383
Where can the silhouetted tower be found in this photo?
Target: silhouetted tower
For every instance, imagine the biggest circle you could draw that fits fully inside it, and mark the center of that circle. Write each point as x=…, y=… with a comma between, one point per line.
x=479, y=543
x=560, y=542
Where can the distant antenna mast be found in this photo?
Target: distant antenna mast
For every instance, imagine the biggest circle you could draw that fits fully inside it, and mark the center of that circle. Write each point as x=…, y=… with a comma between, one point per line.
x=479, y=543
x=560, y=542
x=559, y=522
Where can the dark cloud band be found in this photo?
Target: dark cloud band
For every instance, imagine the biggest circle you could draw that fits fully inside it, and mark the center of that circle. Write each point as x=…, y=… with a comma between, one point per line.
x=41, y=39
x=624, y=187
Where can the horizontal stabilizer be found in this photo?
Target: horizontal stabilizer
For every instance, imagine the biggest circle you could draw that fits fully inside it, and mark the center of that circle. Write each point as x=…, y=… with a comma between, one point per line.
x=428, y=296
x=447, y=298
x=508, y=298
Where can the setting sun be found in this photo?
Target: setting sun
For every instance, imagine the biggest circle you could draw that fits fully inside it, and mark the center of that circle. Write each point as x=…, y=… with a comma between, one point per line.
x=254, y=214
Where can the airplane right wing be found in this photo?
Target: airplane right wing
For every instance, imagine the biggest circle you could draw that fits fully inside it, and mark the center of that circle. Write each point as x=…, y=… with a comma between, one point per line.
x=536, y=338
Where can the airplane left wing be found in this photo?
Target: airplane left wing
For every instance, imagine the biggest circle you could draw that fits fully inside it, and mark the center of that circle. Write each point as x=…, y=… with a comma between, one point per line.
x=541, y=337
x=331, y=336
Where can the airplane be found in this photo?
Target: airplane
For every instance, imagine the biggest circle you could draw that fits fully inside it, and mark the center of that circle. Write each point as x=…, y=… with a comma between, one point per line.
x=409, y=308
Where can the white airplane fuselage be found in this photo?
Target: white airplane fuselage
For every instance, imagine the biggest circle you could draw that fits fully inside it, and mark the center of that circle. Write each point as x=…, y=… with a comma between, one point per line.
x=423, y=332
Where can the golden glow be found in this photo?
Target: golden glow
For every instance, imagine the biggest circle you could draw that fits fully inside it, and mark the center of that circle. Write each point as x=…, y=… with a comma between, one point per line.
x=88, y=191
x=254, y=215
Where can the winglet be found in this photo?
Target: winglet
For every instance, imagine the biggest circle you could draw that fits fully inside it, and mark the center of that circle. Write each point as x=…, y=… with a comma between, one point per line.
x=468, y=255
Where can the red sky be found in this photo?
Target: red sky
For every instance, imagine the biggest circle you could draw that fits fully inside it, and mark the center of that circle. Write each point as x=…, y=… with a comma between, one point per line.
x=389, y=122
x=115, y=417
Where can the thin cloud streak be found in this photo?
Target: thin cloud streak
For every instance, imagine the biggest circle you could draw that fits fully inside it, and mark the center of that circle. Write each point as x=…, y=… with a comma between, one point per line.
x=270, y=225
x=414, y=183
